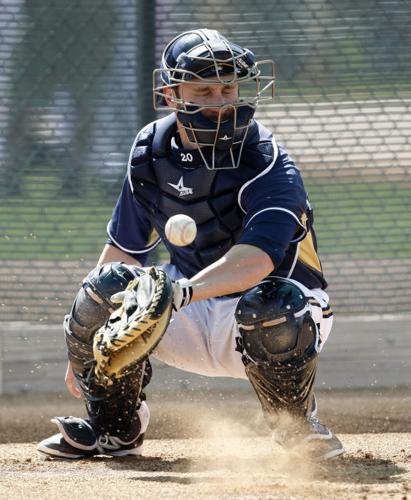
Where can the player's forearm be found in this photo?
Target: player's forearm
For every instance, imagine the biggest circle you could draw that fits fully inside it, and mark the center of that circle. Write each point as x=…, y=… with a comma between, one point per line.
x=242, y=267
x=111, y=253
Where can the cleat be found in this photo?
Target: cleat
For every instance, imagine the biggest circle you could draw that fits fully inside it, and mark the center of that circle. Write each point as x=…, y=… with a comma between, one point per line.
x=77, y=439
x=308, y=436
x=57, y=447
x=321, y=443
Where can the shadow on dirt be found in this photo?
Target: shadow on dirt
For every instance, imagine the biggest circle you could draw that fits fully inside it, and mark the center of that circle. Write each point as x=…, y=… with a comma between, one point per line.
x=360, y=470
x=179, y=479
x=147, y=464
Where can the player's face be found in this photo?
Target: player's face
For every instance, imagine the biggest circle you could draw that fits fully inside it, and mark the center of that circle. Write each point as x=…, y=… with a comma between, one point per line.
x=203, y=94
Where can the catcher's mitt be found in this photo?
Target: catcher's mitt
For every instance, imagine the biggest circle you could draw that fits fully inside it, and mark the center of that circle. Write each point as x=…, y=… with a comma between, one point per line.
x=133, y=331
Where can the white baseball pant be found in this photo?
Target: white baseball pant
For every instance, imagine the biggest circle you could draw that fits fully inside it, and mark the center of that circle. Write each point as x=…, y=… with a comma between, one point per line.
x=201, y=336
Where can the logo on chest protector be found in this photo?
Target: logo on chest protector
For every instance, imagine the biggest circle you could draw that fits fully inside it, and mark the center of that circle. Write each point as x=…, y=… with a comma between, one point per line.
x=184, y=191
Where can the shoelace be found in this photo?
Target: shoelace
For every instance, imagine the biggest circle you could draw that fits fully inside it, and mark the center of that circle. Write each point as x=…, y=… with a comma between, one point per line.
x=320, y=430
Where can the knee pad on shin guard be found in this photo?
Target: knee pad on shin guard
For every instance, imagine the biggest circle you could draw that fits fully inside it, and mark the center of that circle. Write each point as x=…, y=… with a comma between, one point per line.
x=279, y=344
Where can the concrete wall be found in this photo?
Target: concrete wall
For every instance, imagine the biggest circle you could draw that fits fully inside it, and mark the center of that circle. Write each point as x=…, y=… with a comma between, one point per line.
x=361, y=352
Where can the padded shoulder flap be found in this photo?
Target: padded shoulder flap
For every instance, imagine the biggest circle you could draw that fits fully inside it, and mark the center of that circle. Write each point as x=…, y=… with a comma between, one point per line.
x=165, y=129
x=142, y=147
x=259, y=149
x=258, y=134
x=153, y=140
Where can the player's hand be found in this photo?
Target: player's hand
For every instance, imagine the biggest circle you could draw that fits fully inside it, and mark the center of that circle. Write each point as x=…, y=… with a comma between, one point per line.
x=182, y=293
x=71, y=382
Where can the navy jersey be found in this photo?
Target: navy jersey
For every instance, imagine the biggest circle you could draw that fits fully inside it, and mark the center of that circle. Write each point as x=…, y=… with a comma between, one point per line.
x=261, y=203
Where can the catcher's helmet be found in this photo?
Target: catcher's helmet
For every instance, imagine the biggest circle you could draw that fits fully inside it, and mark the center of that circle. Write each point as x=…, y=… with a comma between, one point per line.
x=205, y=56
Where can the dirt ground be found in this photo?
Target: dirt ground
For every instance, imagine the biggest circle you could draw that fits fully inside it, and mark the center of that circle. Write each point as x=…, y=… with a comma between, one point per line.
x=215, y=446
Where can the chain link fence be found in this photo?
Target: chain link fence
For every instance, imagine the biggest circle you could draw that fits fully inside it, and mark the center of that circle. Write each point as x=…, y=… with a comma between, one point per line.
x=75, y=82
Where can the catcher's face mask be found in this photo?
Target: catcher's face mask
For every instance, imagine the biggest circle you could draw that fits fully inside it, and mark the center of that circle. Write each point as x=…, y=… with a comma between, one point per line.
x=214, y=86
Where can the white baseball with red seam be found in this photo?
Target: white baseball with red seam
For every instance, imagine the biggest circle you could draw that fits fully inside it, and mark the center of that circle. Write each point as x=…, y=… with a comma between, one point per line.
x=181, y=230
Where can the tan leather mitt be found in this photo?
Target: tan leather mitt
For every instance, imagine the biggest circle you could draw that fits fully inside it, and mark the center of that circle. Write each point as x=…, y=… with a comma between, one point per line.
x=133, y=331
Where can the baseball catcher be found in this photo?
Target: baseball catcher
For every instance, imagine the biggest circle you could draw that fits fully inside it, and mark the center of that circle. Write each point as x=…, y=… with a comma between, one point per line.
x=246, y=298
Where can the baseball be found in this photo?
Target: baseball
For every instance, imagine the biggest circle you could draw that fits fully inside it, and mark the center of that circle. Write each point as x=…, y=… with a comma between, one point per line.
x=180, y=230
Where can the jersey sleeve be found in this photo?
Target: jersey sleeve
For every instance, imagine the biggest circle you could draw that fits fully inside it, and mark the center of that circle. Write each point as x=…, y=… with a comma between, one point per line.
x=275, y=205
x=130, y=228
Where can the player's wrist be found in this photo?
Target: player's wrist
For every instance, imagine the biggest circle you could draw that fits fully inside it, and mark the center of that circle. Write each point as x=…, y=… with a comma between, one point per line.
x=182, y=293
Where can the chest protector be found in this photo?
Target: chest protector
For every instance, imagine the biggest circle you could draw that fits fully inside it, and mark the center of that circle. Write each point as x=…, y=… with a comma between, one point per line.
x=165, y=188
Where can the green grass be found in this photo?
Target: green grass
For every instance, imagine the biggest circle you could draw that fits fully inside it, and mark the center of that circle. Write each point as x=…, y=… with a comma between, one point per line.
x=352, y=217
x=362, y=219
x=64, y=229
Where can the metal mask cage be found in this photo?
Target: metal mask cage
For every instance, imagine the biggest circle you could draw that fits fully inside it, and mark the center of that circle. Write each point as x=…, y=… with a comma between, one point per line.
x=255, y=87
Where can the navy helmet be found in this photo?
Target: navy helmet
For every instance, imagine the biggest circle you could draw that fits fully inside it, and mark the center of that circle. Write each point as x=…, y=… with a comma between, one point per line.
x=206, y=56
